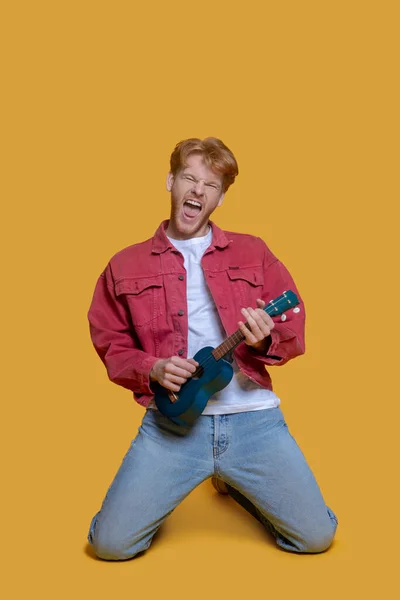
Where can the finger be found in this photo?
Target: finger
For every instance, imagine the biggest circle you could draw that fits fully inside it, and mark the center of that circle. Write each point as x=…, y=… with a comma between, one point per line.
x=250, y=339
x=193, y=362
x=172, y=369
x=269, y=321
x=256, y=324
x=170, y=386
x=260, y=303
x=186, y=364
x=263, y=320
x=175, y=379
x=267, y=318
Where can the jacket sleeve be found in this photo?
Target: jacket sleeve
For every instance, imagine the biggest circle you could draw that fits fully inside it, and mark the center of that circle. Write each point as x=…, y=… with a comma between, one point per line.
x=287, y=338
x=114, y=339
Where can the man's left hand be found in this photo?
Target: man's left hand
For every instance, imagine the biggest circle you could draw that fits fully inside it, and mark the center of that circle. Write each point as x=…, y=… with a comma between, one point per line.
x=260, y=324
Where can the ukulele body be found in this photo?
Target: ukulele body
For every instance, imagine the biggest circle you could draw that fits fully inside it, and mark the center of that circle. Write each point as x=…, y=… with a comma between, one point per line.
x=195, y=393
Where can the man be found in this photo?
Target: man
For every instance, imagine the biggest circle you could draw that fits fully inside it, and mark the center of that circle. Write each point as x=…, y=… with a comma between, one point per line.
x=155, y=305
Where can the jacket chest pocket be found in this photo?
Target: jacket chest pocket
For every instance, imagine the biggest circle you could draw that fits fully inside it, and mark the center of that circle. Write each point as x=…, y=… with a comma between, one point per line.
x=247, y=284
x=143, y=296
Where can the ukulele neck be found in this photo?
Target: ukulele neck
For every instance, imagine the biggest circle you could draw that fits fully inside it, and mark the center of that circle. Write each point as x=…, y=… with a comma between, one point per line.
x=274, y=308
x=229, y=344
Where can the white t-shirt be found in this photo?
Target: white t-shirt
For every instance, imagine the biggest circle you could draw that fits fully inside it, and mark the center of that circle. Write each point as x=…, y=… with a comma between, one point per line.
x=205, y=329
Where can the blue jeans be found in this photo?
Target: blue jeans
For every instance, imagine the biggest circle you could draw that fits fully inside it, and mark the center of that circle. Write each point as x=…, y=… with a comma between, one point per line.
x=253, y=452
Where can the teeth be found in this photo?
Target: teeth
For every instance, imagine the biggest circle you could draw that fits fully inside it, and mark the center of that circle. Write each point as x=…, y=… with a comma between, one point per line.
x=193, y=202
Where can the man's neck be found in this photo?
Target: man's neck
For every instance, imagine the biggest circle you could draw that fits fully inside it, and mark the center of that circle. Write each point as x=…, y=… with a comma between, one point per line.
x=174, y=235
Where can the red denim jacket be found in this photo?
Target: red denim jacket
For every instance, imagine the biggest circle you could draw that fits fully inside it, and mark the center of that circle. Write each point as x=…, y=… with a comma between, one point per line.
x=139, y=309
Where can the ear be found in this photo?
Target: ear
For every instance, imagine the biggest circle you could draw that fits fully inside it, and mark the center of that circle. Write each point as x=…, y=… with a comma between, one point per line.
x=170, y=181
x=221, y=199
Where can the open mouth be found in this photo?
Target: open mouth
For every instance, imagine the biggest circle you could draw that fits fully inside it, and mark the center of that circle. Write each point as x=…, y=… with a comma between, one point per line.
x=191, y=208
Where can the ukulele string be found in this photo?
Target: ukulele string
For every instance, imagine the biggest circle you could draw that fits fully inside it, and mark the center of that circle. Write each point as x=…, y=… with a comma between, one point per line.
x=209, y=359
x=202, y=365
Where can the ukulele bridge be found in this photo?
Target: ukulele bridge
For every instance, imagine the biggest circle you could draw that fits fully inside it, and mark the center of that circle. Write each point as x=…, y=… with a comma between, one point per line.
x=173, y=397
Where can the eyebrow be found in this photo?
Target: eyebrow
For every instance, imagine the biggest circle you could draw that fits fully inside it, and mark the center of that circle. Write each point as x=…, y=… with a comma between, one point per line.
x=206, y=182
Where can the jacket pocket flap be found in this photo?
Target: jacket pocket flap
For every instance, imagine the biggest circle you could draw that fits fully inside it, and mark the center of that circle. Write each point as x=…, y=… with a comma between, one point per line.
x=136, y=286
x=254, y=276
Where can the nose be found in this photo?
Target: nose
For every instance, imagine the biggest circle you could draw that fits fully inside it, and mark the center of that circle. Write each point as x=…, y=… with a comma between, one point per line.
x=199, y=187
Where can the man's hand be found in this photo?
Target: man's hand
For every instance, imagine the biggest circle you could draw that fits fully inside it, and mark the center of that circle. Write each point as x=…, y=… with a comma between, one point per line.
x=260, y=324
x=173, y=372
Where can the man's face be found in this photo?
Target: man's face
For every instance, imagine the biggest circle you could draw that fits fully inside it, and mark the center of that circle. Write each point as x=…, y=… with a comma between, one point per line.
x=196, y=191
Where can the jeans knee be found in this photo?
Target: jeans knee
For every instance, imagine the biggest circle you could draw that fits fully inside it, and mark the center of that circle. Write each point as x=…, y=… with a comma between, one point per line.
x=321, y=538
x=108, y=546
x=111, y=552
x=113, y=549
x=311, y=544
x=313, y=541
x=316, y=543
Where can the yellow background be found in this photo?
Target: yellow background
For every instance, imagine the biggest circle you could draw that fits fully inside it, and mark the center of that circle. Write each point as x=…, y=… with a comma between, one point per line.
x=95, y=96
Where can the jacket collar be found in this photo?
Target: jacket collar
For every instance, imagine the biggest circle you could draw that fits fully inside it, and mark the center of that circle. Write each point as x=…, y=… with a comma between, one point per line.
x=161, y=243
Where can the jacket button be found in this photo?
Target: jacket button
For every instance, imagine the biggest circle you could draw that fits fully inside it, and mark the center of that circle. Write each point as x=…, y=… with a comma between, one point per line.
x=181, y=277
x=180, y=352
x=181, y=313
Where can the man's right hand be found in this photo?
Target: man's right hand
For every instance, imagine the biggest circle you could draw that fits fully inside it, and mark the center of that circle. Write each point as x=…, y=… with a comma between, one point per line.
x=173, y=372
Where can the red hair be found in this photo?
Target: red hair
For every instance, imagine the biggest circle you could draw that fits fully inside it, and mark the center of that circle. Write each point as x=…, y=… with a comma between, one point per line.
x=215, y=154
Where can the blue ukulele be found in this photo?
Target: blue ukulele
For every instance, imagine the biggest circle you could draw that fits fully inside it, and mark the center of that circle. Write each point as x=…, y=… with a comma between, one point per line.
x=212, y=375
